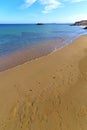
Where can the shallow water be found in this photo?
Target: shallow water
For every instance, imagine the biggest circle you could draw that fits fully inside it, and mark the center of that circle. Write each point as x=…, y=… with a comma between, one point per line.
x=14, y=37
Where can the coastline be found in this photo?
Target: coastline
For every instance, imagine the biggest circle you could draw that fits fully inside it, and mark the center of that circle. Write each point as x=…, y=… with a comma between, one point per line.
x=23, y=43
x=47, y=93
x=28, y=54
x=34, y=52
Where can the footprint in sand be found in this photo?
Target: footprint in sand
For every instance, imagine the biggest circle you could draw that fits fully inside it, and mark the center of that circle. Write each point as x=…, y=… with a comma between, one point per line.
x=83, y=67
x=82, y=112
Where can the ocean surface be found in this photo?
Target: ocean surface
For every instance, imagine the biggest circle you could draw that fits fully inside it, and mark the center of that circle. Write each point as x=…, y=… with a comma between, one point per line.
x=15, y=37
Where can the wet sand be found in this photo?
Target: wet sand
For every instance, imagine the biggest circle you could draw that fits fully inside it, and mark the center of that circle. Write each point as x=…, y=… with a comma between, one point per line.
x=33, y=52
x=49, y=93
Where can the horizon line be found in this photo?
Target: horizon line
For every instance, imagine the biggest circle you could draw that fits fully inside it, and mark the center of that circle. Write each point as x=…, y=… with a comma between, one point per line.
x=41, y=22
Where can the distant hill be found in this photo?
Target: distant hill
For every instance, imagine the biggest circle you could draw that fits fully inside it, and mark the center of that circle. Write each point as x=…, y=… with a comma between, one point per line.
x=80, y=23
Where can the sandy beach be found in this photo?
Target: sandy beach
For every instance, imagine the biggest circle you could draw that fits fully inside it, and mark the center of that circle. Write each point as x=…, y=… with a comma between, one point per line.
x=49, y=93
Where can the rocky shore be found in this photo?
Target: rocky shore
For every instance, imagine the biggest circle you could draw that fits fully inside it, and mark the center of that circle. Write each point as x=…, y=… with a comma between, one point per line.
x=80, y=23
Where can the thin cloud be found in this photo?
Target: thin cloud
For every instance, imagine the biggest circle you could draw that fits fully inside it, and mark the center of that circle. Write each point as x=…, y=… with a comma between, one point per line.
x=49, y=4
x=75, y=1
x=28, y=3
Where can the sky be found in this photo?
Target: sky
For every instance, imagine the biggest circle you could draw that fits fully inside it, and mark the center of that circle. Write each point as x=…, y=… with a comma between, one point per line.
x=45, y=11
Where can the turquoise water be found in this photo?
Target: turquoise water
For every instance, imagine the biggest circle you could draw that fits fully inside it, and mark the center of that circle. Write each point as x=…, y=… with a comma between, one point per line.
x=18, y=36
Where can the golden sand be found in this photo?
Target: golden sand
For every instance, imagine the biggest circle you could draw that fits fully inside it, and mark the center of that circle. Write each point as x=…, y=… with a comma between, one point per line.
x=47, y=94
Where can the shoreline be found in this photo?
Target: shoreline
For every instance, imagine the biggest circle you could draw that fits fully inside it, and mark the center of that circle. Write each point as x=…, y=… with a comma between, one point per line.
x=48, y=93
x=29, y=54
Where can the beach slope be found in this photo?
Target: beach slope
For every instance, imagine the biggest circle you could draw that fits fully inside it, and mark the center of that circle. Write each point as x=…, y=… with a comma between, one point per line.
x=49, y=93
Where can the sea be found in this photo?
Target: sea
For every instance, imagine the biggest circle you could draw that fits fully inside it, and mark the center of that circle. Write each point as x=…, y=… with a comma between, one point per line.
x=20, y=43
x=14, y=37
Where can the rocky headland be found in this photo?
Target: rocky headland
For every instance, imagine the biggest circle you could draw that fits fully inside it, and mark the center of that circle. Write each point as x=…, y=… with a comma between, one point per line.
x=80, y=23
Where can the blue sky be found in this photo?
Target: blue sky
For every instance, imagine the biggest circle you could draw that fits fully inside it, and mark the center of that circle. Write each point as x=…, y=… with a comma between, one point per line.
x=33, y=11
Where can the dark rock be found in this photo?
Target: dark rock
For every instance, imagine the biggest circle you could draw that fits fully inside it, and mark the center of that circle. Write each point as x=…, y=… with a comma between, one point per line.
x=39, y=24
x=85, y=28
